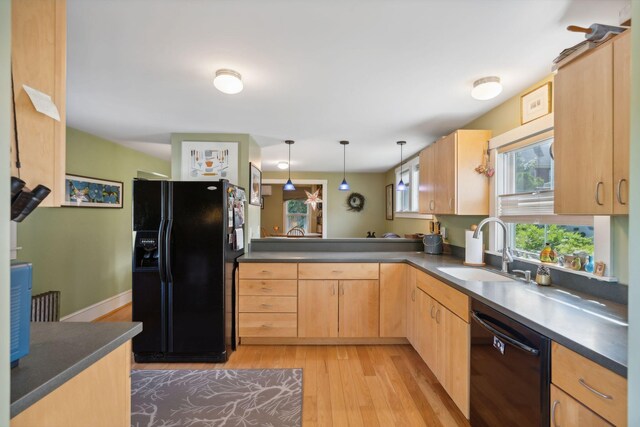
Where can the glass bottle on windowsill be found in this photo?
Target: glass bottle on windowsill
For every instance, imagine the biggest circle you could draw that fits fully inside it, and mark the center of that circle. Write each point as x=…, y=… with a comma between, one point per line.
x=589, y=266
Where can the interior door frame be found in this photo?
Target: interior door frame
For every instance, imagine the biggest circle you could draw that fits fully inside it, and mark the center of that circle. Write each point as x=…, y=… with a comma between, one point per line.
x=325, y=196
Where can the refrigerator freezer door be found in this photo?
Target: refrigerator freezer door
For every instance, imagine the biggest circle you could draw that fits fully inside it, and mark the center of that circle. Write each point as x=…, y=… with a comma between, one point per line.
x=148, y=285
x=196, y=269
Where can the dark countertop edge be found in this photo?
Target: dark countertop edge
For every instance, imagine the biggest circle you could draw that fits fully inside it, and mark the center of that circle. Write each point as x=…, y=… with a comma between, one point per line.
x=54, y=383
x=596, y=357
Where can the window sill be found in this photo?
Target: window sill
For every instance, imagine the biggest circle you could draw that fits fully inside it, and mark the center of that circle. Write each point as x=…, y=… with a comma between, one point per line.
x=414, y=215
x=535, y=262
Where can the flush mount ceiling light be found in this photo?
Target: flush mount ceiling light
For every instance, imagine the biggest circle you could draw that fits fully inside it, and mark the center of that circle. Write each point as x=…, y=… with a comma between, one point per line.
x=288, y=186
x=486, y=88
x=401, y=185
x=228, y=81
x=344, y=186
x=283, y=165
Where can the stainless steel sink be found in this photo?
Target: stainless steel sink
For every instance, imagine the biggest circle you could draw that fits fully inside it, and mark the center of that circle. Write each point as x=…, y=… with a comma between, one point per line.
x=474, y=274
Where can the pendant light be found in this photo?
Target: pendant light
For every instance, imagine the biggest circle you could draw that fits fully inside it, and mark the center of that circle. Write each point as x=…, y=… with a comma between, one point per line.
x=401, y=185
x=289, y=185
x=344, y=186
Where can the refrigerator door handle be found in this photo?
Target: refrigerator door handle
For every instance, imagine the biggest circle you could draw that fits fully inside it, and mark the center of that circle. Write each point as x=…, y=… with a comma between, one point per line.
x=161, y=252
x=167, y=251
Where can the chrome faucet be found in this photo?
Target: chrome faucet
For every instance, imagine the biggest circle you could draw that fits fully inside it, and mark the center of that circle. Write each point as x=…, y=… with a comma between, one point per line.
x=506, y=253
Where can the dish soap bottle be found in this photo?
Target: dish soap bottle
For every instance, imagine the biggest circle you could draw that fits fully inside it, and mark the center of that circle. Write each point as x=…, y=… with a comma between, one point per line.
x=589, y=266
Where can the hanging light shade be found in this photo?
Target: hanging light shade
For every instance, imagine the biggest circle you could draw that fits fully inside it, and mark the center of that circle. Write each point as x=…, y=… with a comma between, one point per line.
x=344, y=186
x=288, y=186
x=401, y=185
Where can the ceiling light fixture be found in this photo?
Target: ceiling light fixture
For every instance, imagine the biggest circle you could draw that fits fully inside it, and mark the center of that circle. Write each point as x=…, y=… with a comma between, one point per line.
x=283, y=165
x=401, y=185
x=486, y=88
x=288, y=186
x=228, y=81
x=344, y=186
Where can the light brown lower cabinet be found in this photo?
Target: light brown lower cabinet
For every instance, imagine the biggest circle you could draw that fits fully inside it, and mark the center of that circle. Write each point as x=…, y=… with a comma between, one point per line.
x=393, y=299
x=411, y=289
x=568, y=412
x=338, y=308
x=98, y=396
x=442, y=340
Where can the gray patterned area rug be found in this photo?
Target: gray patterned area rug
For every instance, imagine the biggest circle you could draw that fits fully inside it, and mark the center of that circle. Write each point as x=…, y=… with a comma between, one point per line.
x=214, y=398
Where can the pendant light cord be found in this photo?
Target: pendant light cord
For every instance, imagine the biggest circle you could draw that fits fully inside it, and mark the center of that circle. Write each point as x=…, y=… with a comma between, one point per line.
x=15, y=125
x=289, y=161
x=401, y=163
x=344, y=162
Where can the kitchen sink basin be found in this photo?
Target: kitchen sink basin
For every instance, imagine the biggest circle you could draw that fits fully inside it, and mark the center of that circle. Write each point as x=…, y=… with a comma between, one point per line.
x=474, y=274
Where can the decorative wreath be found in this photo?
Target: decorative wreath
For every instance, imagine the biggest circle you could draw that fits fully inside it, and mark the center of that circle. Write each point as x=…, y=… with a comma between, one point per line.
x=355, y=201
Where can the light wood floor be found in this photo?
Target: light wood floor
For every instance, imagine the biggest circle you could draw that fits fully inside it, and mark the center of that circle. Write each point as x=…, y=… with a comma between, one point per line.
x=385, y=385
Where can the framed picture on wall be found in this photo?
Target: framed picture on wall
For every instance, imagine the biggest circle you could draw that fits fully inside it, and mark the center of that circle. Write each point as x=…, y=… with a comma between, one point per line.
x=209, y=161
x=255, y=185
x=389, y=201
x=536, y=103
x=87, y=192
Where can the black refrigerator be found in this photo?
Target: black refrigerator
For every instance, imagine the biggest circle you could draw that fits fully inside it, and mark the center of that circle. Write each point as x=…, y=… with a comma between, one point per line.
x=186, y=239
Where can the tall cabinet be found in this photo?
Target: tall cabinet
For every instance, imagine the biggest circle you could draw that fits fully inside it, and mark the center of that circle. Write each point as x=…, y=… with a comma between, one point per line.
x=38, y=59
x=449, y=184
x=592, y=127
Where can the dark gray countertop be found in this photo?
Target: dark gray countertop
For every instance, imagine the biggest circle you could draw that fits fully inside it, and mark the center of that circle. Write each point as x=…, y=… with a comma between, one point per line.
x=593, y=327
x=58, y=352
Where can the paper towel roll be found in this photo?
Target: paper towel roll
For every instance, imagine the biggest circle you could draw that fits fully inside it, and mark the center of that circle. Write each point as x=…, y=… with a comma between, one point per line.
x=473, y=248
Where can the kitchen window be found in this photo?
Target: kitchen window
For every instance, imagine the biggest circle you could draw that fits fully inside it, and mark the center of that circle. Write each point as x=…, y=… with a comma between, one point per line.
x=524, y=188
x=296, y=215
x=407, y=200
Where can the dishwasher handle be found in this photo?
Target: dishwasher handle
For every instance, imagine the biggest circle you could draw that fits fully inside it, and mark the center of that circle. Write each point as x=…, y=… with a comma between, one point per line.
x=524, y=347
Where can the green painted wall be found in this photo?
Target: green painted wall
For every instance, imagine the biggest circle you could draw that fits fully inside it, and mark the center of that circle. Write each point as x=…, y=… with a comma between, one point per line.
x=86, y=252
x=340, y=222
x=634, y=230
x=248, y=150
x=5, y=125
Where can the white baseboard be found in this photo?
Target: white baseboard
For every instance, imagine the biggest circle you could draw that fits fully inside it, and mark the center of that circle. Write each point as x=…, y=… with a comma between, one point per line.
x=98, y=309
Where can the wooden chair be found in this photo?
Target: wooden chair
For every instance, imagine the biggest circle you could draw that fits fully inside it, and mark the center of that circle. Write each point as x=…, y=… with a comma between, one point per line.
x=295, y=232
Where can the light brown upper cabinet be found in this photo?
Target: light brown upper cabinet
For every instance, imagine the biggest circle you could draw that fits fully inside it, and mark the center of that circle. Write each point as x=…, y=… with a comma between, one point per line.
x=449, y=184
x=39, y=60
x=591, y=148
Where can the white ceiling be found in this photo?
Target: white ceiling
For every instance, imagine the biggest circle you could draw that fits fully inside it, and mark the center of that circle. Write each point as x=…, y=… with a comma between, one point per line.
x=370, y=71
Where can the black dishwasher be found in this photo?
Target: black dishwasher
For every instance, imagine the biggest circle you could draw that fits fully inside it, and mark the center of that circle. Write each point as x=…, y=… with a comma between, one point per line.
x=510, y=371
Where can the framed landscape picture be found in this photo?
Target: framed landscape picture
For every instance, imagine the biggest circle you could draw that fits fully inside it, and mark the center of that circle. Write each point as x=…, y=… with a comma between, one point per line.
x=87, y=192
x=255, y=185
x=536, y=103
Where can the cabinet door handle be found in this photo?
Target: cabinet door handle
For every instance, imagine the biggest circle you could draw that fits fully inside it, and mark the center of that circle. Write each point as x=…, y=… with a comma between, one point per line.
x=450, y=203
x=265, y=305
x=432, y=205
x=598, y=193
x=584, y=384
x=619, y=191
x=413, y=295
x=438, y=317
x=333, y=289
x=432, y=313
x=264, y=288
x=341, y=287
x=556, y=403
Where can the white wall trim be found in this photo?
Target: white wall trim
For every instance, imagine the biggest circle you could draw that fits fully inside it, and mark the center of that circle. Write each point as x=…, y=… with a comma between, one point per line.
x=528, y=130
x=98, y=309
x=325, y=196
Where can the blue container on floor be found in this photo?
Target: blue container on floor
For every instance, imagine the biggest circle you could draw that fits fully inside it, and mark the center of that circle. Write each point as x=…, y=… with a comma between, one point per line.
x=20, y=310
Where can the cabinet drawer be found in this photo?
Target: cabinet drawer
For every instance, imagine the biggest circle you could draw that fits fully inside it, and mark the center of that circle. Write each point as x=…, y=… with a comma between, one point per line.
x=338, y=271
x=454, y=300
x=268, y=271
x=268, y=325
x=566, y=411
x=260, y=304
x=268, y=287
x=601, y=390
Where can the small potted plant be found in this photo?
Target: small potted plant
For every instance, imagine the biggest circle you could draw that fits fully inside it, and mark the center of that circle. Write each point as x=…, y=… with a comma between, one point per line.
x=543, y=276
